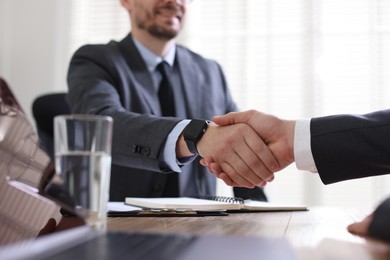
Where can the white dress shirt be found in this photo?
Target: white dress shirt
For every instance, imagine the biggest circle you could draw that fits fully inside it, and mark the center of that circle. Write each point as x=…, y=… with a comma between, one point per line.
x=302, y=146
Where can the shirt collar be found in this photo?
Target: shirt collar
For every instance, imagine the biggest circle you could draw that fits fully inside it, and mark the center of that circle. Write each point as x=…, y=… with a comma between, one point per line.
x=151, y=59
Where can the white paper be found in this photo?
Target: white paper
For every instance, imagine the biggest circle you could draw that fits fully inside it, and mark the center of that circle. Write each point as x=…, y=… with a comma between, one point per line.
x=120, y=207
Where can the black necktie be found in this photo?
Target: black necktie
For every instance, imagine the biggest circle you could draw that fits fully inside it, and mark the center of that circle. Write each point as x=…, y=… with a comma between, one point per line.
x=165, y=94
x=165, y=91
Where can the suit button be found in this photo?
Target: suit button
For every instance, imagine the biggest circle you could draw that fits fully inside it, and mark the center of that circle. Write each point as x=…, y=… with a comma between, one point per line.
x=136, y=148
x=145, y=151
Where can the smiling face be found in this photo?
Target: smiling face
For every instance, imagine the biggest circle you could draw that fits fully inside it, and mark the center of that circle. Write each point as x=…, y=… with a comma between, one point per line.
x=160, y=18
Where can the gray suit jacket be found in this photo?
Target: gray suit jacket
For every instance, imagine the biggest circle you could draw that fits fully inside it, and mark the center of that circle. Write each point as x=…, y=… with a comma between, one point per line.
x=113, y=80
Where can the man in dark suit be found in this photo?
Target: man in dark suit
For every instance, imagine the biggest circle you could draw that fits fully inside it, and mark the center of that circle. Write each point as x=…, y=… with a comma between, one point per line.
x=339, y=147
x=122, y=80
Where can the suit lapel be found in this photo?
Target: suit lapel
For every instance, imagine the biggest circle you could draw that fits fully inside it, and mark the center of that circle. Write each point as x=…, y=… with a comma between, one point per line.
x=188, y=70
x=191, y=78
x=143, y=80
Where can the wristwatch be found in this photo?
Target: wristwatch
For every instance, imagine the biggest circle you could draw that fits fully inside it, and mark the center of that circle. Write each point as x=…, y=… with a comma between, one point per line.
x=193, y=132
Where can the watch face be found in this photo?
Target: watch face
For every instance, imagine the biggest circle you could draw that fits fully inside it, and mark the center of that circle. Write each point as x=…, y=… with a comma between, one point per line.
x=195, y=129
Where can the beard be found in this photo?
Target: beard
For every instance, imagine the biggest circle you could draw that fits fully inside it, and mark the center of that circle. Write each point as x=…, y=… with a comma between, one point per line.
x=162, y=33
x=156, y=30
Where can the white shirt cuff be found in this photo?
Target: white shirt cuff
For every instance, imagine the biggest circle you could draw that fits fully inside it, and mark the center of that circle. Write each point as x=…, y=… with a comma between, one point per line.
x=169, y=153
x=302, y=146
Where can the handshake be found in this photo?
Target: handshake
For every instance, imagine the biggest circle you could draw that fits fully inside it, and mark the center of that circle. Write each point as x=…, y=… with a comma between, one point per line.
x=245, y=149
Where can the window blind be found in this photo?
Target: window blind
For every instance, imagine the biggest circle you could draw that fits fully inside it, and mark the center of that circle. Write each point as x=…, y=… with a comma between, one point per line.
x=97, y=21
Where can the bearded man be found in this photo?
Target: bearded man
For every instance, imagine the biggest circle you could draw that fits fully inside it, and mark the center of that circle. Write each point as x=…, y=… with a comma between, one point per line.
x=161, y=95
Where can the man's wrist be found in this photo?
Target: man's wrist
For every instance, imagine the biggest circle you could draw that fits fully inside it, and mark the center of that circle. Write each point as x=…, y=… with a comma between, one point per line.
x=193, y=132
x=182, y=149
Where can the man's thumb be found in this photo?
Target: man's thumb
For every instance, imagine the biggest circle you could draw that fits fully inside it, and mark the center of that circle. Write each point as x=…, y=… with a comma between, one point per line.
x=227, y=119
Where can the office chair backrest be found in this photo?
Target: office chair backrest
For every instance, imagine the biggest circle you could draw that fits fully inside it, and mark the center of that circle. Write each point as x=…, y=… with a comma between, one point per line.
x=44, y=109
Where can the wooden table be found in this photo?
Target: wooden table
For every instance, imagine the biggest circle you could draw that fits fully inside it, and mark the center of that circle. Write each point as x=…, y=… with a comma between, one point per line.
x=319, y=233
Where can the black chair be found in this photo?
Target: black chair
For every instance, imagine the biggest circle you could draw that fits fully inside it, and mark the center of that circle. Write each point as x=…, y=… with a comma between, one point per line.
x=44, y=109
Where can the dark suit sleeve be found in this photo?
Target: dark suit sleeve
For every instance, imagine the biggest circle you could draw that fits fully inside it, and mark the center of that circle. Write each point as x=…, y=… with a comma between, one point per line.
x=100, y=83
x=351, y=146
x=380, y=225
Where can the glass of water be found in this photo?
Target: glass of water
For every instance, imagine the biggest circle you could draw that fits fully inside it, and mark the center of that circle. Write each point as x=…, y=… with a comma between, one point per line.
x=82, y=145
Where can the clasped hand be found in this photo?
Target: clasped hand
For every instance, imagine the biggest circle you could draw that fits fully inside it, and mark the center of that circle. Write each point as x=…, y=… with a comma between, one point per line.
x=245, y=149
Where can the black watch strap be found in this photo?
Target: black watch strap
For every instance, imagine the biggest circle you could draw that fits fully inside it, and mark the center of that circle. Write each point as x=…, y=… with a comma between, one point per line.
x=193, y=132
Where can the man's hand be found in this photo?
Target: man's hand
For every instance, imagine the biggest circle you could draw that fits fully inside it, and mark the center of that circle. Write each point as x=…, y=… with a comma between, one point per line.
x=240, y=153
x=276, y=133
x=360, y=228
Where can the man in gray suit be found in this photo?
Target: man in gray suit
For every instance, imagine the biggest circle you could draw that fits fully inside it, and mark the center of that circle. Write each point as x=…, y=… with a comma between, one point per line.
x=121, y=80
